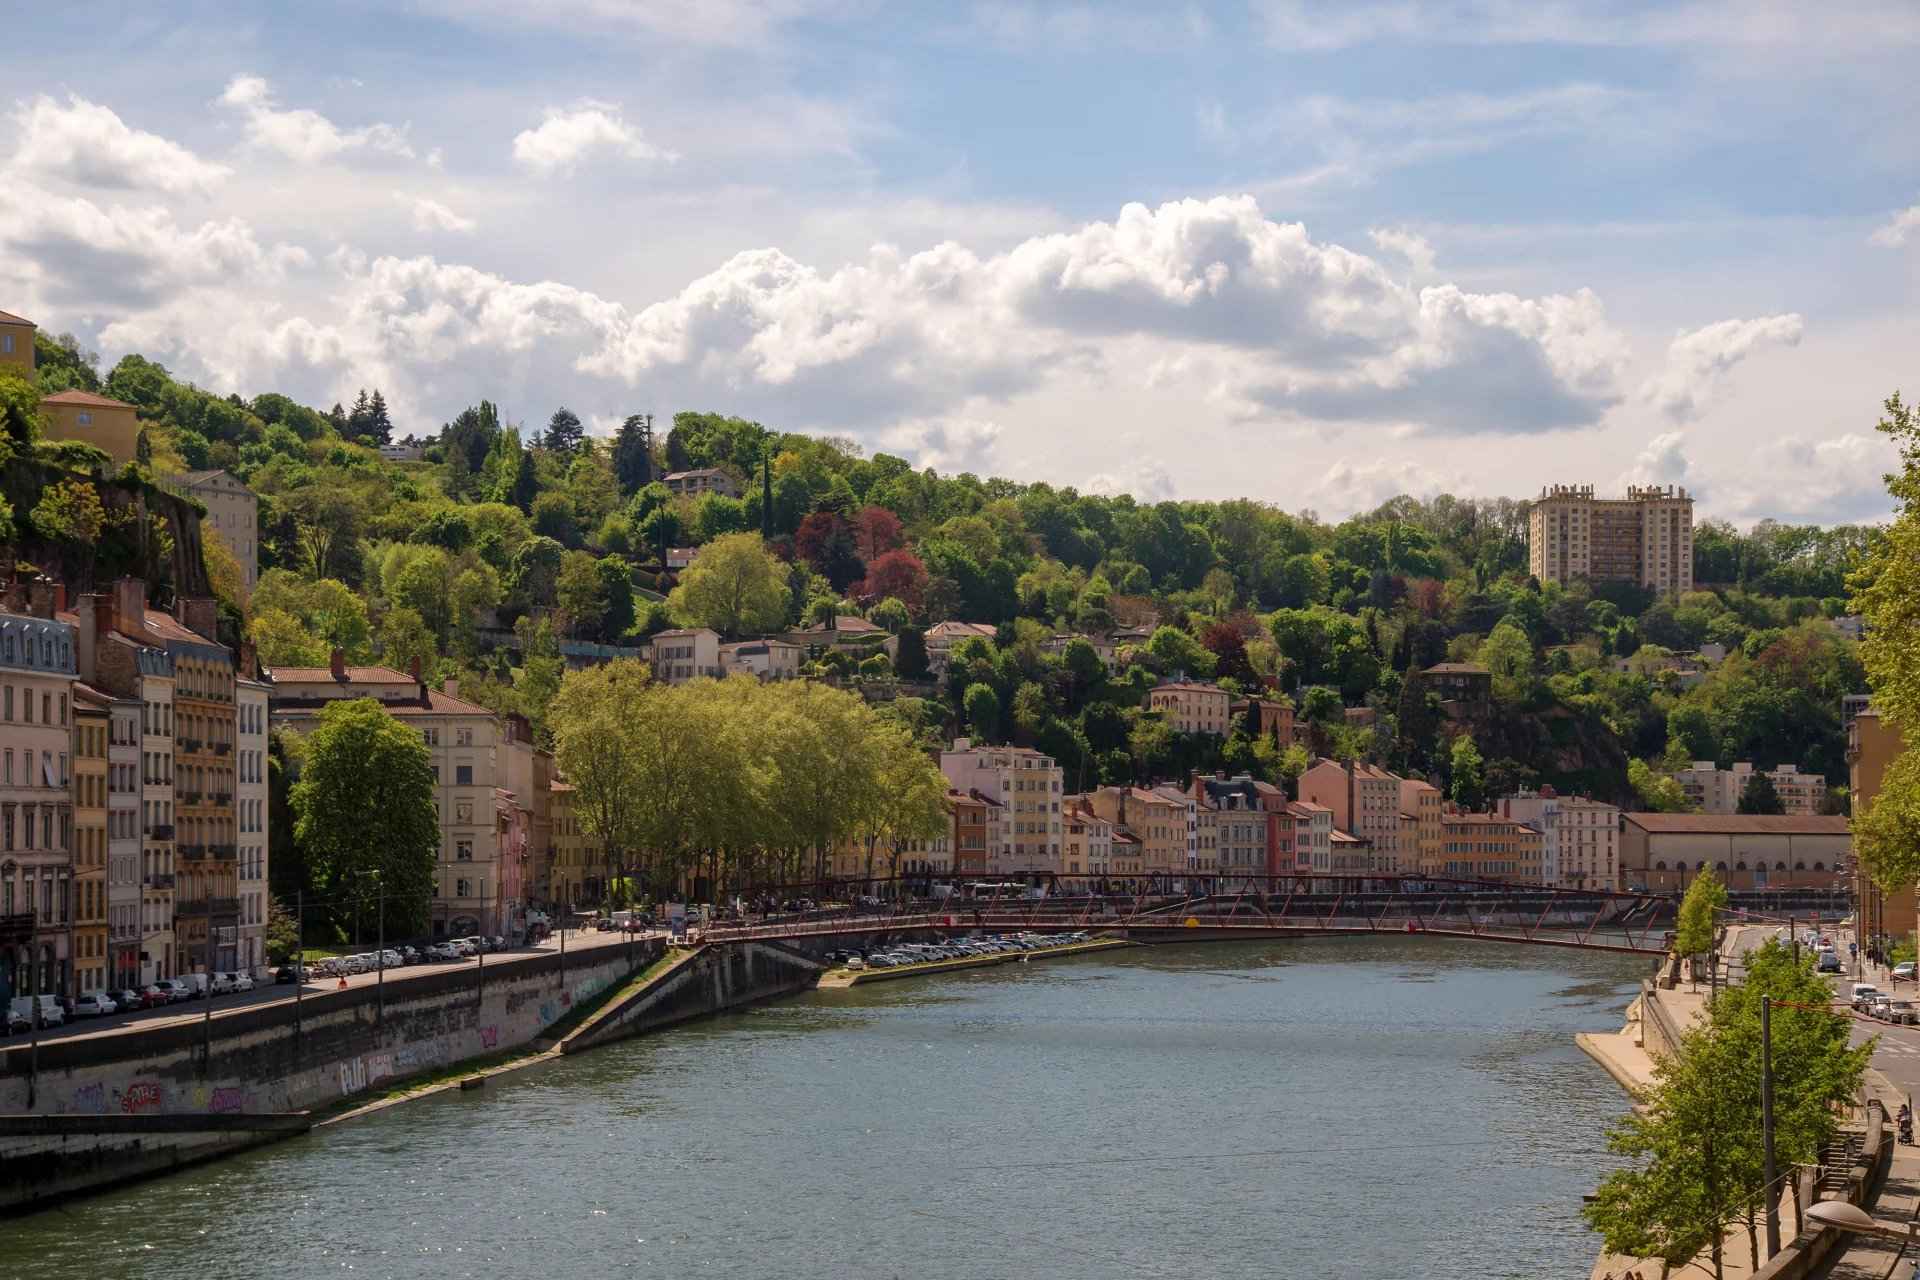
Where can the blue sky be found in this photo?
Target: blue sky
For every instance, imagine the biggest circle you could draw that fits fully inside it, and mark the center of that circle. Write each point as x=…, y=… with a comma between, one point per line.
x=1311, y=253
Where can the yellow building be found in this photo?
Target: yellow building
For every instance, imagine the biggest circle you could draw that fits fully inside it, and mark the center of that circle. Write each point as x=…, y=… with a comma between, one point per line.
x=91, y=419
x=1646, y=537
x=576, y=870
x=1157, y=822
x=1191, y=707
x=16, y=342
x=1484, y=846
x=90, y=722
x=1421, y=807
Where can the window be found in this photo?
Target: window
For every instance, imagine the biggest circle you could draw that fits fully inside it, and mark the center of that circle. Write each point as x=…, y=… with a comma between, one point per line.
x=85, y=419
x=463, y=737
x=463, y=775
x=463, y=851
x=463, y=888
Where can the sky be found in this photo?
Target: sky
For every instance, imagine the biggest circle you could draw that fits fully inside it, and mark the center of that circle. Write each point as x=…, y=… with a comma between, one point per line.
x=1311, y=253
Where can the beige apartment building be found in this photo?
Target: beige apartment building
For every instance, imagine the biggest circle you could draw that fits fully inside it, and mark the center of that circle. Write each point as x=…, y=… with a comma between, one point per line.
x=1644, y=538
x=1711, y=789
x=1366, y=804
x=1158, y=823
x=1421, y=807
x=206, y=903
x=1028, y=786
x=1089, y=840
x=123, y=842
x=233, y=512
x=764, y=660
x=1872, y=744
x=37, y=671
x=1486, y=846
x=1191, y=707
x=477, y=872
x=699, y=480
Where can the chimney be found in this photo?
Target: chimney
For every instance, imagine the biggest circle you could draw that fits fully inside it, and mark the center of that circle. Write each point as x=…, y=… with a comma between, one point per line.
x=130, y=607
x=337, y=663
x=40, y=596
x=198, y=614
x=451, y=686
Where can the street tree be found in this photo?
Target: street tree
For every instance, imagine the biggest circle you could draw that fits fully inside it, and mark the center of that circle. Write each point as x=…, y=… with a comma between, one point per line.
x=364, y=807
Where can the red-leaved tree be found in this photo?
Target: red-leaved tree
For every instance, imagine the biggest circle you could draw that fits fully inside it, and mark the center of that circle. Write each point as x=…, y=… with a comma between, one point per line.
x=897, y=573
x=877, y=531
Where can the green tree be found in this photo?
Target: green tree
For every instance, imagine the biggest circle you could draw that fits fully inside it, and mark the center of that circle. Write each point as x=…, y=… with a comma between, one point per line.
x=406, y=638
x=1175, y=651
x=735, y=587
x=1759, y=795
x=1657, y=792
x=364, y=807
x=564, y=432
x=910, y=659
x=1699, y=915
x=982, y=707
x=1886, y=592
x=633, y=453
x=1467, y=783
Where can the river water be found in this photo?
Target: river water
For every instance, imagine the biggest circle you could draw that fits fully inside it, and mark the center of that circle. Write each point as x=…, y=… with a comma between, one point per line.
x=1342, y=1107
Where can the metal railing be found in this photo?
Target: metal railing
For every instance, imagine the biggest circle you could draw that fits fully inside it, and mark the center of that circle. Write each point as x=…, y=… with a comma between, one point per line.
x=160, y=880
x=221, y=748
x=160, y=831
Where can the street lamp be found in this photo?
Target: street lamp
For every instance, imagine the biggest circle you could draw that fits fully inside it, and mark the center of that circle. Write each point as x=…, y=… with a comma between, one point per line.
x=1843, y=1216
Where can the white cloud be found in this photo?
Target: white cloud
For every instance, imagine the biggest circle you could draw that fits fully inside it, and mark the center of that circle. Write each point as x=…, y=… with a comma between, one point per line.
x=1662, y=461
x=1794, y=478
x=1408, y=244
x=1698, y=361
x=952, y=445
x=566, y=137
x=1146, y=480
x=304, y=136
x=87, y=143
x=1898, y=229
x=720, y=23
x=1350, y=487
x=1044, y=29
x=95, y=258
x=431, y=215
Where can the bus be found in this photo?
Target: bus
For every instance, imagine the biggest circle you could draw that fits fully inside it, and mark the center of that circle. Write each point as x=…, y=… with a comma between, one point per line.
x=1000, y=890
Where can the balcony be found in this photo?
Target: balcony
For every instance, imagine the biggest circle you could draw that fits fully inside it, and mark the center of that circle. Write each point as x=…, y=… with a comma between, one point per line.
x=221, y=748
x=190, y=744
x=221, y=852
x=226, y=906
x=191, y=850
x=221, y=798
x=188, y=797
x=160, y=880
x=160, y=831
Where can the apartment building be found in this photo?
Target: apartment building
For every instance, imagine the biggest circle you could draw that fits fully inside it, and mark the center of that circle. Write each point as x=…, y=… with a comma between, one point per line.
x=37, y=671
x=1089, y=840
x=159, y=866
x=1192, y=707
x=975, y=819
x=250, y=819
x=575, y=876
x=123, y=842
x=1580, y=837
x=1644, y=538
x=92, y=721
x=1541, y=811
x=1244, y=827
x=206, y=919
x=1486, y=846
x=477, y=869
x=1711, y=789
x=1421, y=806
x=1312, y=840
x=1028, y=787
x=233, y=512
x=1158, y=823
x=685, y=654
x=1365, y=801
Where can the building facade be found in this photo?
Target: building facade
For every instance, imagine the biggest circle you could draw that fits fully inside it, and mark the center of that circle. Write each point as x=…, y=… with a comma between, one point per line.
x=1711, y=789
x=250, y=820
x=233, y=512
x=106, y=424
x=1421, y=805
x=1644, y=538
x=1486, y=846
x=206, y=905
x=1191, y=707
x=685, y=654
x=37, y=671
x=1665, y=851
x=699, y=480
x=1872, y=745
x=92, y=721
x=16, y=342
x=1366, y=804
x=1028, y=786
x=123, y=843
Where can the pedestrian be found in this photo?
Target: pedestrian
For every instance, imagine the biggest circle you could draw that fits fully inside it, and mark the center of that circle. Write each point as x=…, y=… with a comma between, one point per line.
x=343, y=983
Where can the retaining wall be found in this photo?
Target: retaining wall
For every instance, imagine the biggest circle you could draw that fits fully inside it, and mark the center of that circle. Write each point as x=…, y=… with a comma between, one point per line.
x=719, y=976
x=48, y=1158
x=260, y=1061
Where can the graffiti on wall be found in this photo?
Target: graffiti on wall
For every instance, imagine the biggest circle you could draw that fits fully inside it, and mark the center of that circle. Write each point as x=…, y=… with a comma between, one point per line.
x=142, y=1096
x=489, y=1037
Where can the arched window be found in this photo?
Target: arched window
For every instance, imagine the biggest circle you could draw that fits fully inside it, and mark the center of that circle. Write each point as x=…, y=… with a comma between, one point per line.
x=1660, y=866
x=1819, y=866
x=1740, y=865
x=1780, y=866
x=1799, y=866
x=1702, y=865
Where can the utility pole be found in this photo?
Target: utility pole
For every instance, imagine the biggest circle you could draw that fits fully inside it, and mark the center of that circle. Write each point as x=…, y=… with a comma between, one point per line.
x=206, y=993
x=1766, y=1125
x=380, y=983
x=299, y=956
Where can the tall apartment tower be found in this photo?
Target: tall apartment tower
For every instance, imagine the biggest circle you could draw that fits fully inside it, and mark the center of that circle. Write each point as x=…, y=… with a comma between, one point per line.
x=1645, y=537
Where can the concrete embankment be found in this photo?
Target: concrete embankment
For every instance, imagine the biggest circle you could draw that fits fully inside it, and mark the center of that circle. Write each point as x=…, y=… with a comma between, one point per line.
x=44, y=1159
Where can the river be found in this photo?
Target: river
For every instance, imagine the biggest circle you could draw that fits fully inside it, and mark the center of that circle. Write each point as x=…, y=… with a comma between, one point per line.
x=1341, y=1107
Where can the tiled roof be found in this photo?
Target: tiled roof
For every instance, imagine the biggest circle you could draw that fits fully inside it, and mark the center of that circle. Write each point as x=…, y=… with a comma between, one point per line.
x=1739, y=824
x=1188, y=686
x=437, y=704
x=324, y=675
x=1455, y=669
x=677, y=632
x=86, y=398
x=7, y=317
x=164, y=626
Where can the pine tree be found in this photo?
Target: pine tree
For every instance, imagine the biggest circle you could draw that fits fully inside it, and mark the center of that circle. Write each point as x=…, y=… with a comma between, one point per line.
x=766, y=498
x=379, y=429
x=526, y=484
x=357, y=420
x=338, y=417
x=633, y=454
x=564, y=431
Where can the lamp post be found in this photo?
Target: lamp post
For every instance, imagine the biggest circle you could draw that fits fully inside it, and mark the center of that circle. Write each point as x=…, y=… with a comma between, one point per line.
x=1766, y=1125
x=1842, y=1216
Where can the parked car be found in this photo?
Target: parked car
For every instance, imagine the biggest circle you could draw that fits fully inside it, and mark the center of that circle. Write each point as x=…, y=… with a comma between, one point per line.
x=18, y=1023
x=94, y=1004
x=220, y=984
x=129, y=998
x=173, y=989
x=1829, y=962
x=51, y=1014
x=1902, y=1011
x=1877, y=1008
x=1863, y=994
x=1904, y=971
x=855, y=962
x=153, y=995
x=288, y=974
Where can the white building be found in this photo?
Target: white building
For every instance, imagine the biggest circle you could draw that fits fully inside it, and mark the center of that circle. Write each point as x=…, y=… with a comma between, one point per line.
x=250, y=819
x=686, y=654
x=1711, y=789
x=1580, y=838
x=762, y=659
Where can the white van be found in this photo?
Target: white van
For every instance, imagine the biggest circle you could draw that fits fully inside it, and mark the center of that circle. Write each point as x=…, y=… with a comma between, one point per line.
x=51, y=1013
